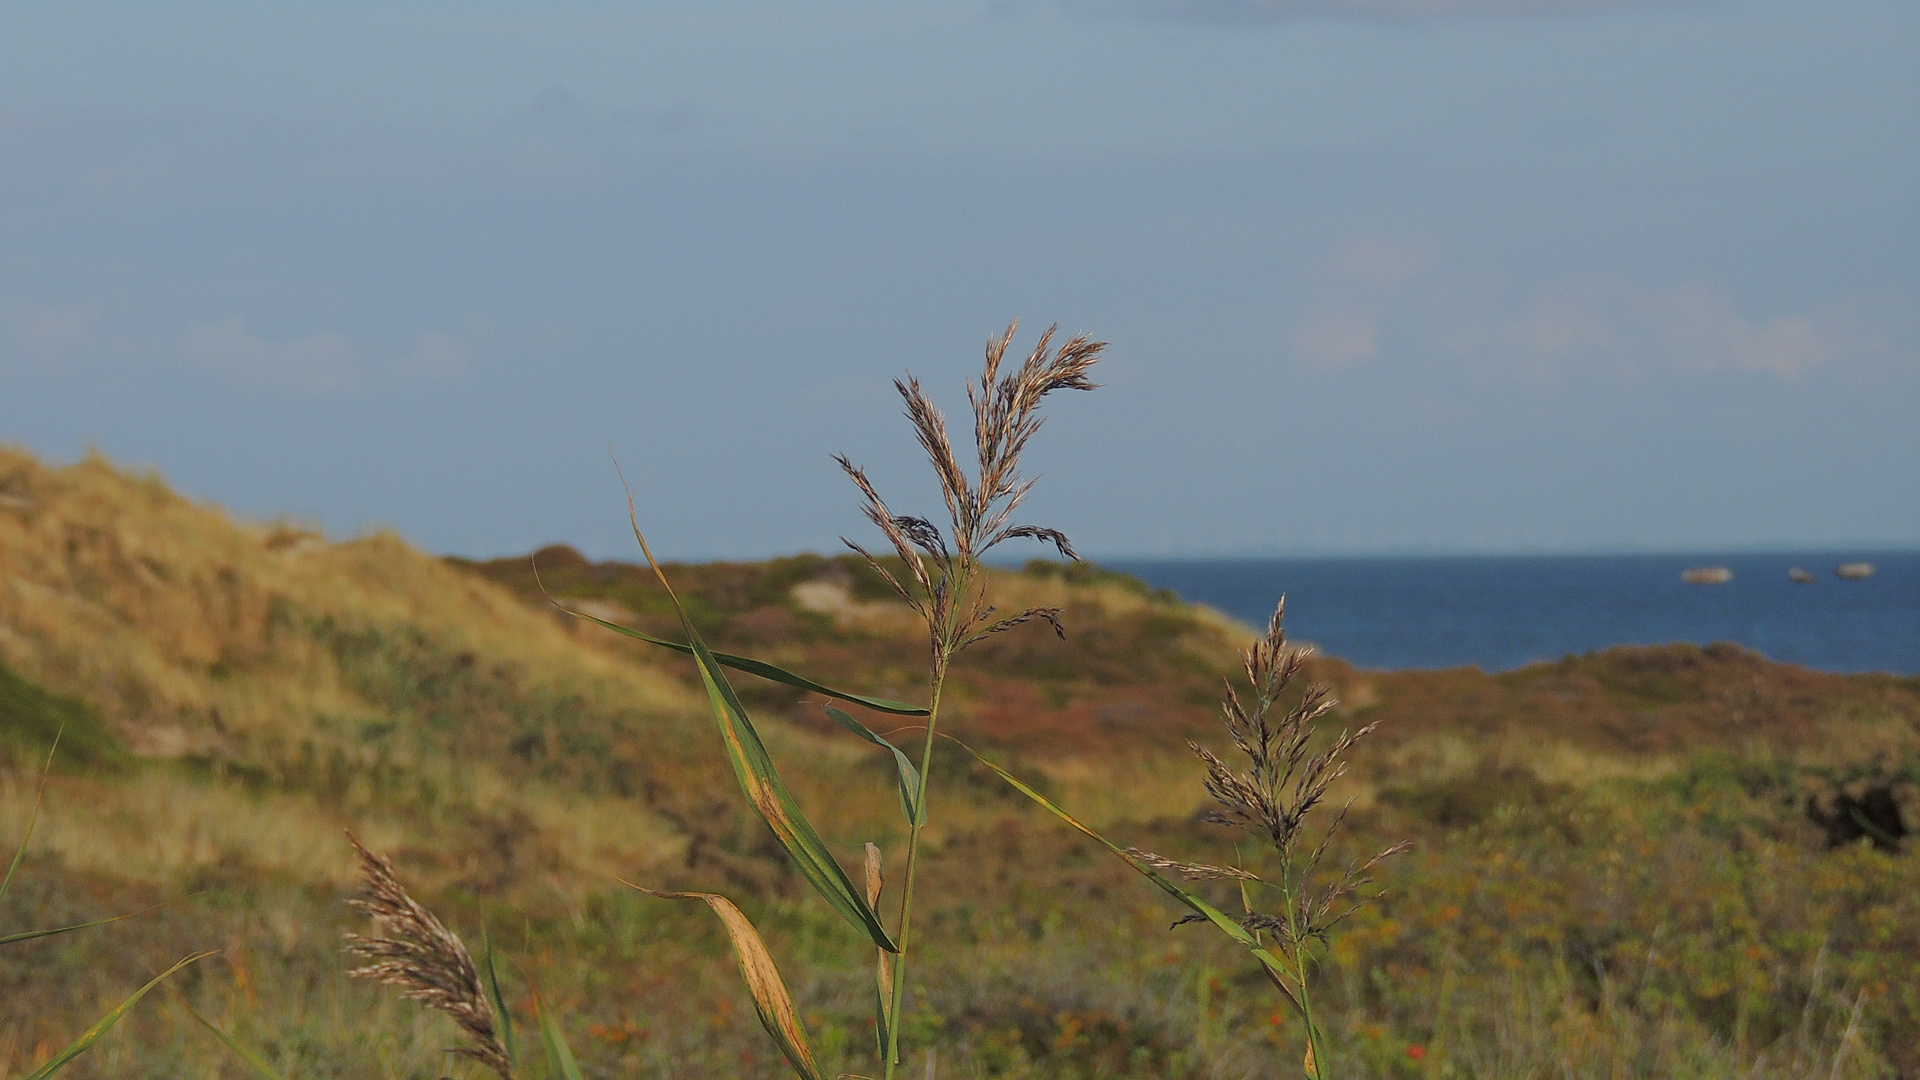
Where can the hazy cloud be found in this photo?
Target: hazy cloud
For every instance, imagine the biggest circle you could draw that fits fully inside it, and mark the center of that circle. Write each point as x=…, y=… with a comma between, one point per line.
x=1358, y=285
x=444, y=355
x=36, y=332
x=318, y=362
x=1333, y=339
x=1373, y=261
x=1369, y=285
x=437, y=354
x=1689, y=328
x=327, y=362
x=1556, y=324
x=1701, y=330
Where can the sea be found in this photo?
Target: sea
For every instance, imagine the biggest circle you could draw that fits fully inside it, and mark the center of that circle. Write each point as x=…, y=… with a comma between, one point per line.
x=1503, y=612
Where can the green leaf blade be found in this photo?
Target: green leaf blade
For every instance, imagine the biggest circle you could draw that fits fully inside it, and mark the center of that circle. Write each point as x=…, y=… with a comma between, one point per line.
x=101, y=1026
x=911, y=790
x=31, y=934
x=770, y=672
x=499, y=1000
x=559, y=1055
x=254, y=1062
x=34, y=819
x=754, y=769
x=1276, y=968
x=760, y=781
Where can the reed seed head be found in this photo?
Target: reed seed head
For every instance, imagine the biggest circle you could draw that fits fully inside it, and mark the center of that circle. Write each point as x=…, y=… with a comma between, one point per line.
x=1283, y=783
x=414, y=951
x=979, y=508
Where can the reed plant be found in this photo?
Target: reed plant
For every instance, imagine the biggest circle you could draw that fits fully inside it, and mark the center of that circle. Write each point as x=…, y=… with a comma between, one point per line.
x=414, y=951
x=1270, y=802
x=947, y=588
x=943, y=581
x=1614, y=878
x=937, y=570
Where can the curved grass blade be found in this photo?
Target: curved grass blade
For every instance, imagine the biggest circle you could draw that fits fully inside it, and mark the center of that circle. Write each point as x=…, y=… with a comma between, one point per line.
x=761, y=783
x=500, y=1012
x=1277, y=971
x=910, y=788
x=254, y=1062
x=33, y=819
x=31, y=934
x=1880, y=835
x=560, y=1063
x=770, y=997
x=753, y=767
x=100, y=1027
x=770, y=672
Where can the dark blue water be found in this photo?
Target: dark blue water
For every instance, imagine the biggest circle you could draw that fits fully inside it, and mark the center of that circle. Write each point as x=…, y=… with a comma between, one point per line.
x=1502, y=612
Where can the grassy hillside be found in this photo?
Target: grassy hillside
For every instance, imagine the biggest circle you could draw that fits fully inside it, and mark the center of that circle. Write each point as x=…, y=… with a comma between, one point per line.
x=1616, y=871
x=362, y=679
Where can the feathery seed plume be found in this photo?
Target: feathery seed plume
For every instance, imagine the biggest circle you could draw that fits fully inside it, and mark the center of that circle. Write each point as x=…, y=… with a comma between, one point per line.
x=416, y=952
x=979, y=509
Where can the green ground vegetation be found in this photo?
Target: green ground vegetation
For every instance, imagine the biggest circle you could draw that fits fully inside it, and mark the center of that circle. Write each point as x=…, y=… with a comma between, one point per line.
x=1623, y=862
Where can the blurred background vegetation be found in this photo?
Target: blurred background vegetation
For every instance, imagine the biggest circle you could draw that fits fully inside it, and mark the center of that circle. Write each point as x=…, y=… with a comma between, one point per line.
x=1647, y=862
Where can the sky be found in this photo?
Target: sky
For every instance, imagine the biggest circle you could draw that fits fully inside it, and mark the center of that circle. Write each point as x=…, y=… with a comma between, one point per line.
x=1377, y=275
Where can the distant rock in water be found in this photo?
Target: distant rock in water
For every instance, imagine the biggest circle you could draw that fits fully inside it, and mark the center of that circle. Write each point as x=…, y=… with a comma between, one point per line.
x=1706, y=575
x=1802, y=577
x=1854, y=571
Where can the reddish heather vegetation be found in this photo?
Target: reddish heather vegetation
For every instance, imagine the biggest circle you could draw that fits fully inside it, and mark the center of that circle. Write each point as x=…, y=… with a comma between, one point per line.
x=1644, y=862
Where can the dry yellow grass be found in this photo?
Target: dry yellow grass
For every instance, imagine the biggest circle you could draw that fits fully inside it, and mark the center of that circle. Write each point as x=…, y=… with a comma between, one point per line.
x=279, y=688
x=192, y=632
x=161, y=610
x=157, y=828
x=207, y=639
x=1108, y=792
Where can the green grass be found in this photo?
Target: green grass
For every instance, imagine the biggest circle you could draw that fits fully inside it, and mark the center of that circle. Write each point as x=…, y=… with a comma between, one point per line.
x=1614, y=872
x=31, y=716
x=1639, y=928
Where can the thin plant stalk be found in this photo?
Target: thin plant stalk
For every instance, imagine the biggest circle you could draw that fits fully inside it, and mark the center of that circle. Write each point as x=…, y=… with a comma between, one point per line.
x=943, y=580
x=905, y=935
x=1315, y=1050
x=1302, y=960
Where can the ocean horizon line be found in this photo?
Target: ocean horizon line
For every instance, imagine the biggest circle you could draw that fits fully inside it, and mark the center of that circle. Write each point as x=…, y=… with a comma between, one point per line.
x=1439, y=554
x=1012, y=560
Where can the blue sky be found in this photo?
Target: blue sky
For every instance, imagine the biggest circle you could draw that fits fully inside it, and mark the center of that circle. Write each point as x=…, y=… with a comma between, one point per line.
x=1378, y=275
